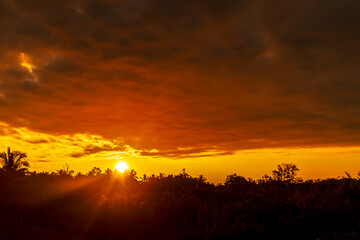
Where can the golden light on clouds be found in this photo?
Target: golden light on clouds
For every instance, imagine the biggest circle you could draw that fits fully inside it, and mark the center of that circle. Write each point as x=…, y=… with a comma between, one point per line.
x=25, y=62
x=50, y=152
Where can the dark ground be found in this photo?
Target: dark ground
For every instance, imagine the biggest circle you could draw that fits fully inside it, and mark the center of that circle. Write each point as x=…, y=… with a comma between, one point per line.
x=45, y=206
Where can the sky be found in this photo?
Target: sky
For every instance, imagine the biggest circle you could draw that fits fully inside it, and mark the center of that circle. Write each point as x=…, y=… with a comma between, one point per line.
x=215, y=87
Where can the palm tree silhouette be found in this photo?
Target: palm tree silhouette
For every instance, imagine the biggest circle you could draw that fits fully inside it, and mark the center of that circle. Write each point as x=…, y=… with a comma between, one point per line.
x=14, y=161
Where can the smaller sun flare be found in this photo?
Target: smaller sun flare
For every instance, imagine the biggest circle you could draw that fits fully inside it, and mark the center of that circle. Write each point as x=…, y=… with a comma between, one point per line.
x=121, y=166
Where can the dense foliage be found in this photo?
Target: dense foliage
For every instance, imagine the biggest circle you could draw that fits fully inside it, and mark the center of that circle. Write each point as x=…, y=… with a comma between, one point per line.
x=107, y=205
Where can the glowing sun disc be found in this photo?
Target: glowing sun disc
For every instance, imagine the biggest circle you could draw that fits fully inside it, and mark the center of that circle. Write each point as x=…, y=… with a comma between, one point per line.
x=121, y=166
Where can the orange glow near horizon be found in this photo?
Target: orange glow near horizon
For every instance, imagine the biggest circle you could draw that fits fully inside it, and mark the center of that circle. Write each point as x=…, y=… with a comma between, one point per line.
x=51, y=153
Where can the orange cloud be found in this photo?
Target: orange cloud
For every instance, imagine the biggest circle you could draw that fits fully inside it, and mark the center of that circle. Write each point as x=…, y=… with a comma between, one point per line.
x=186, y=78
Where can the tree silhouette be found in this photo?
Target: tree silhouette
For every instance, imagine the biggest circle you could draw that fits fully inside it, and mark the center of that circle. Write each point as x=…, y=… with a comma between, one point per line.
x=184, y=174
x=265, y=178
x=65, y=171
x=94, y=172
x=109, y=172
x=144, y=178
x=234, y=179
x=132, y=175
x=14, y=161
x=286, y=172
x=201, y=178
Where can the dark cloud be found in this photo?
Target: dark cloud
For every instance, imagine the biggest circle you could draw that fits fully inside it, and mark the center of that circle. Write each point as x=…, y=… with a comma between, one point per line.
x=208, y=76
x=88, y=150
x=38, y=141
x=43, y=161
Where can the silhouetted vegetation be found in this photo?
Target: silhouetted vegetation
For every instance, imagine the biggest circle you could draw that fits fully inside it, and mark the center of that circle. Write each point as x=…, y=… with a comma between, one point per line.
x=14, y=161
x=110, y=205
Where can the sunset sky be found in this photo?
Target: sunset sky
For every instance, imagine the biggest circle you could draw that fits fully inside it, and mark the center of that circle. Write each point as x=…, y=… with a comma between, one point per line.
x=216, y=87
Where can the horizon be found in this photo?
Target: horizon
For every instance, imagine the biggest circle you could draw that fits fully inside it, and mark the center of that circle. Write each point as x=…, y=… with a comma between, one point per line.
x=217, y=176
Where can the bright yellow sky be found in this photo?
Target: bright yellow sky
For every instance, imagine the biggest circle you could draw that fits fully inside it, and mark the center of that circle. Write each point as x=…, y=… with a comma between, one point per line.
x=50, y=153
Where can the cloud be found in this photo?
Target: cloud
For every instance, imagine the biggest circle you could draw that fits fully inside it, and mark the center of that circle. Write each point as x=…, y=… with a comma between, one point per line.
x=169, y=75
x=43, y=147
x=91, y=149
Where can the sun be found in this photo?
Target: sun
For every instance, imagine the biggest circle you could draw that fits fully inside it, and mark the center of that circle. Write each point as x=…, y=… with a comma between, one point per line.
x=121, y=166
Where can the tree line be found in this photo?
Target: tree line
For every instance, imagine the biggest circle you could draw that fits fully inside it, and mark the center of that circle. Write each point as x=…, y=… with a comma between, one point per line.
x=108, y=205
